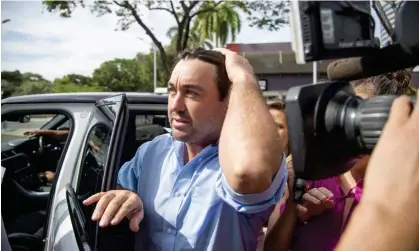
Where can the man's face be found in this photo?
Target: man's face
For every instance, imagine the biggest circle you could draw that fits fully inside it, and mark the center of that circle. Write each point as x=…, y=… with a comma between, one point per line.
x=281, y=125
x=195, y=111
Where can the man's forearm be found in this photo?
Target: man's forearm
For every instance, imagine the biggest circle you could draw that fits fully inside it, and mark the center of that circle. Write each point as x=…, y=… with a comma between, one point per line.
x=372, y=228
x=250, y=147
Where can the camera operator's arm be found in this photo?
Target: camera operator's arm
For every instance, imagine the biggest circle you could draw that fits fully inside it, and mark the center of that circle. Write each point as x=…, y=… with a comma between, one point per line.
x=387, y=217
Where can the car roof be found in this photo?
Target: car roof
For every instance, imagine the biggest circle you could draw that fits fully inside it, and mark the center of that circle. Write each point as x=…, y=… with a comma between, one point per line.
x=86, y=97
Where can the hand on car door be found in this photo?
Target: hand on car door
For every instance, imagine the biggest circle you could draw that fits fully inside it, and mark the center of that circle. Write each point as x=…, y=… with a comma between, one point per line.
x=115, y=205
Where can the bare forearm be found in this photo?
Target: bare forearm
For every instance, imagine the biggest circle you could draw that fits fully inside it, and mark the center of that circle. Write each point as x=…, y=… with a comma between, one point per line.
x=279, y=237
x=249, y=142
x=56, y=134
x=372, y=228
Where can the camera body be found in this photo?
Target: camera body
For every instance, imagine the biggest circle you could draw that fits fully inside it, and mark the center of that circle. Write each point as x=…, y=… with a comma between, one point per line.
x=331, y=29
x=328, y=124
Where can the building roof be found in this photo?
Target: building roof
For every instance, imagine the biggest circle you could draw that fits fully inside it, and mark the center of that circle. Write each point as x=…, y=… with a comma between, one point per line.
x=263, y=47
x=274, y=63
x=275, y=58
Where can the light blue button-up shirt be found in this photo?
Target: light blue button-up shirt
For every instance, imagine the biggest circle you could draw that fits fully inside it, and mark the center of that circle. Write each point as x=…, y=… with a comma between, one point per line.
x=192, y=207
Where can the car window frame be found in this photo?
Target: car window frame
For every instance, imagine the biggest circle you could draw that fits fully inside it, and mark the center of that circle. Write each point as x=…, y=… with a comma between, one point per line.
x=117, y=133
x=50, y=124
x=22, y=108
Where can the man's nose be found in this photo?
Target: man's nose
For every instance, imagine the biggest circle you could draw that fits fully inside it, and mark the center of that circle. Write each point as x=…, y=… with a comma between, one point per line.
x=178, y=103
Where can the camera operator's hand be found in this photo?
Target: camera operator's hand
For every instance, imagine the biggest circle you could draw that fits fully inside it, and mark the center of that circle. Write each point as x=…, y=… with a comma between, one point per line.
x=315, y=202
x=114, y=205
x=387, y=217
x=393, y=172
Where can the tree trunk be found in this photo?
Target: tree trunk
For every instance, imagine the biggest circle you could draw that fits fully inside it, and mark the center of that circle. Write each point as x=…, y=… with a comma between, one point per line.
x=180, y=31
x=163, y=57
x=186, y=34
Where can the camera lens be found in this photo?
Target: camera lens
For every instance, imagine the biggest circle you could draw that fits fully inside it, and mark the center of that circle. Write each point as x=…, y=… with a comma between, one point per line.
x=359, y=121
x=369, y=121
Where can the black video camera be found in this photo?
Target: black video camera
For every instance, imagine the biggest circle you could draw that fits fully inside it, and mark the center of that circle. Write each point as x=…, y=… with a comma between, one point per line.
x=328, y=123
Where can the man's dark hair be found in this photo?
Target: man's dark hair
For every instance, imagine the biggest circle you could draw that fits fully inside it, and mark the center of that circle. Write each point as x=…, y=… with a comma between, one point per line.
x=393, y=83
x=212, y=57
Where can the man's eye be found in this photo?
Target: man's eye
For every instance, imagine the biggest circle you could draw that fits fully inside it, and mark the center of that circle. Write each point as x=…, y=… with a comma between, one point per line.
x=191, y=94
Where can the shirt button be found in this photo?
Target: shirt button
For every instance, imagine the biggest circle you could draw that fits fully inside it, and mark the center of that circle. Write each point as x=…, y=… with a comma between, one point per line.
x=177, y=194
x=169, y=231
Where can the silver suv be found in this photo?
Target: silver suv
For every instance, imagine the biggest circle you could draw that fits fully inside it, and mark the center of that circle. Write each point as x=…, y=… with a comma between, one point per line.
x=85, y=139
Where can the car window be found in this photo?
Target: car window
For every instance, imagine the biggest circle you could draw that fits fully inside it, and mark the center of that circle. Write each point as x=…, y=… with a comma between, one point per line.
x=92, y=170
x=95, y=155
x=12, y=128
x=66, y=124
x=147, y=127
x=94, y=160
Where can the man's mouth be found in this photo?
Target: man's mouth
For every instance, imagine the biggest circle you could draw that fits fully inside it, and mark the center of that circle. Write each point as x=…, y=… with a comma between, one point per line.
x=179, y=122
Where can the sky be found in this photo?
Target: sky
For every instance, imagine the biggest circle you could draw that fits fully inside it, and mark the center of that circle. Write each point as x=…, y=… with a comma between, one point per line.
x=41, y=42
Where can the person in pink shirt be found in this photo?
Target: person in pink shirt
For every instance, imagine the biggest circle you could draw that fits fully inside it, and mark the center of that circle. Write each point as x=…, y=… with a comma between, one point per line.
x=277, y=110
x=318, y=222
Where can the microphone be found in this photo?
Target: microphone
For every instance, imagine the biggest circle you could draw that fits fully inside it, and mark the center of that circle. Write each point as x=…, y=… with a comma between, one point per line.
x=384, y=60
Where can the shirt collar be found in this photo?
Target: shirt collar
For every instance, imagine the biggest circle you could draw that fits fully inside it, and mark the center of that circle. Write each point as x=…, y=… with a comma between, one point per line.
x=179, y=148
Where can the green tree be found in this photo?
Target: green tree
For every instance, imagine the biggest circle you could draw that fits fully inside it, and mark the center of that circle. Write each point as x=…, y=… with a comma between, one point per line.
x=183, y=12
x=221, y=25
x=75, y=83
x=12, y=76
x=122, y=75
x=7, y=88
x=147, y=65
x=10, y=82
x=195, y=39
x=79, y=79
x=35, y=87
x=15, y=83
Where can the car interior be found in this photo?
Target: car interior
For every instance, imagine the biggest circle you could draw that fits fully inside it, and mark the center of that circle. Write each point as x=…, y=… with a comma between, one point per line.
x=25, y=196
x=25, y=203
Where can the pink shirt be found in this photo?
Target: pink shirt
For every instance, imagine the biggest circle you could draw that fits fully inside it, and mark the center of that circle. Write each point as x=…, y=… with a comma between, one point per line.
x=322, y=232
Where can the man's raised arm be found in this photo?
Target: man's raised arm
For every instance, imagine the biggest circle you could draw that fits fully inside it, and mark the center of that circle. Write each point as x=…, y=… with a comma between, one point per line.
x=250, y=150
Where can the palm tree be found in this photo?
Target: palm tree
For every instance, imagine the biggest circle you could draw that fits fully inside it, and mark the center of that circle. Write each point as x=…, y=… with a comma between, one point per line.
x=219, y=25
x=195, y=39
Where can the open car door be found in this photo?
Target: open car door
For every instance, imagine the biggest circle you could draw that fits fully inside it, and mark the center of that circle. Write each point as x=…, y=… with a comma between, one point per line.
x=77, y=218
x=106, y=130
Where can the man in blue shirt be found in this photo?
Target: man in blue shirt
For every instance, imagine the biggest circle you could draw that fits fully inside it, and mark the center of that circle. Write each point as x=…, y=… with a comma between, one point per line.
x=213, y=182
